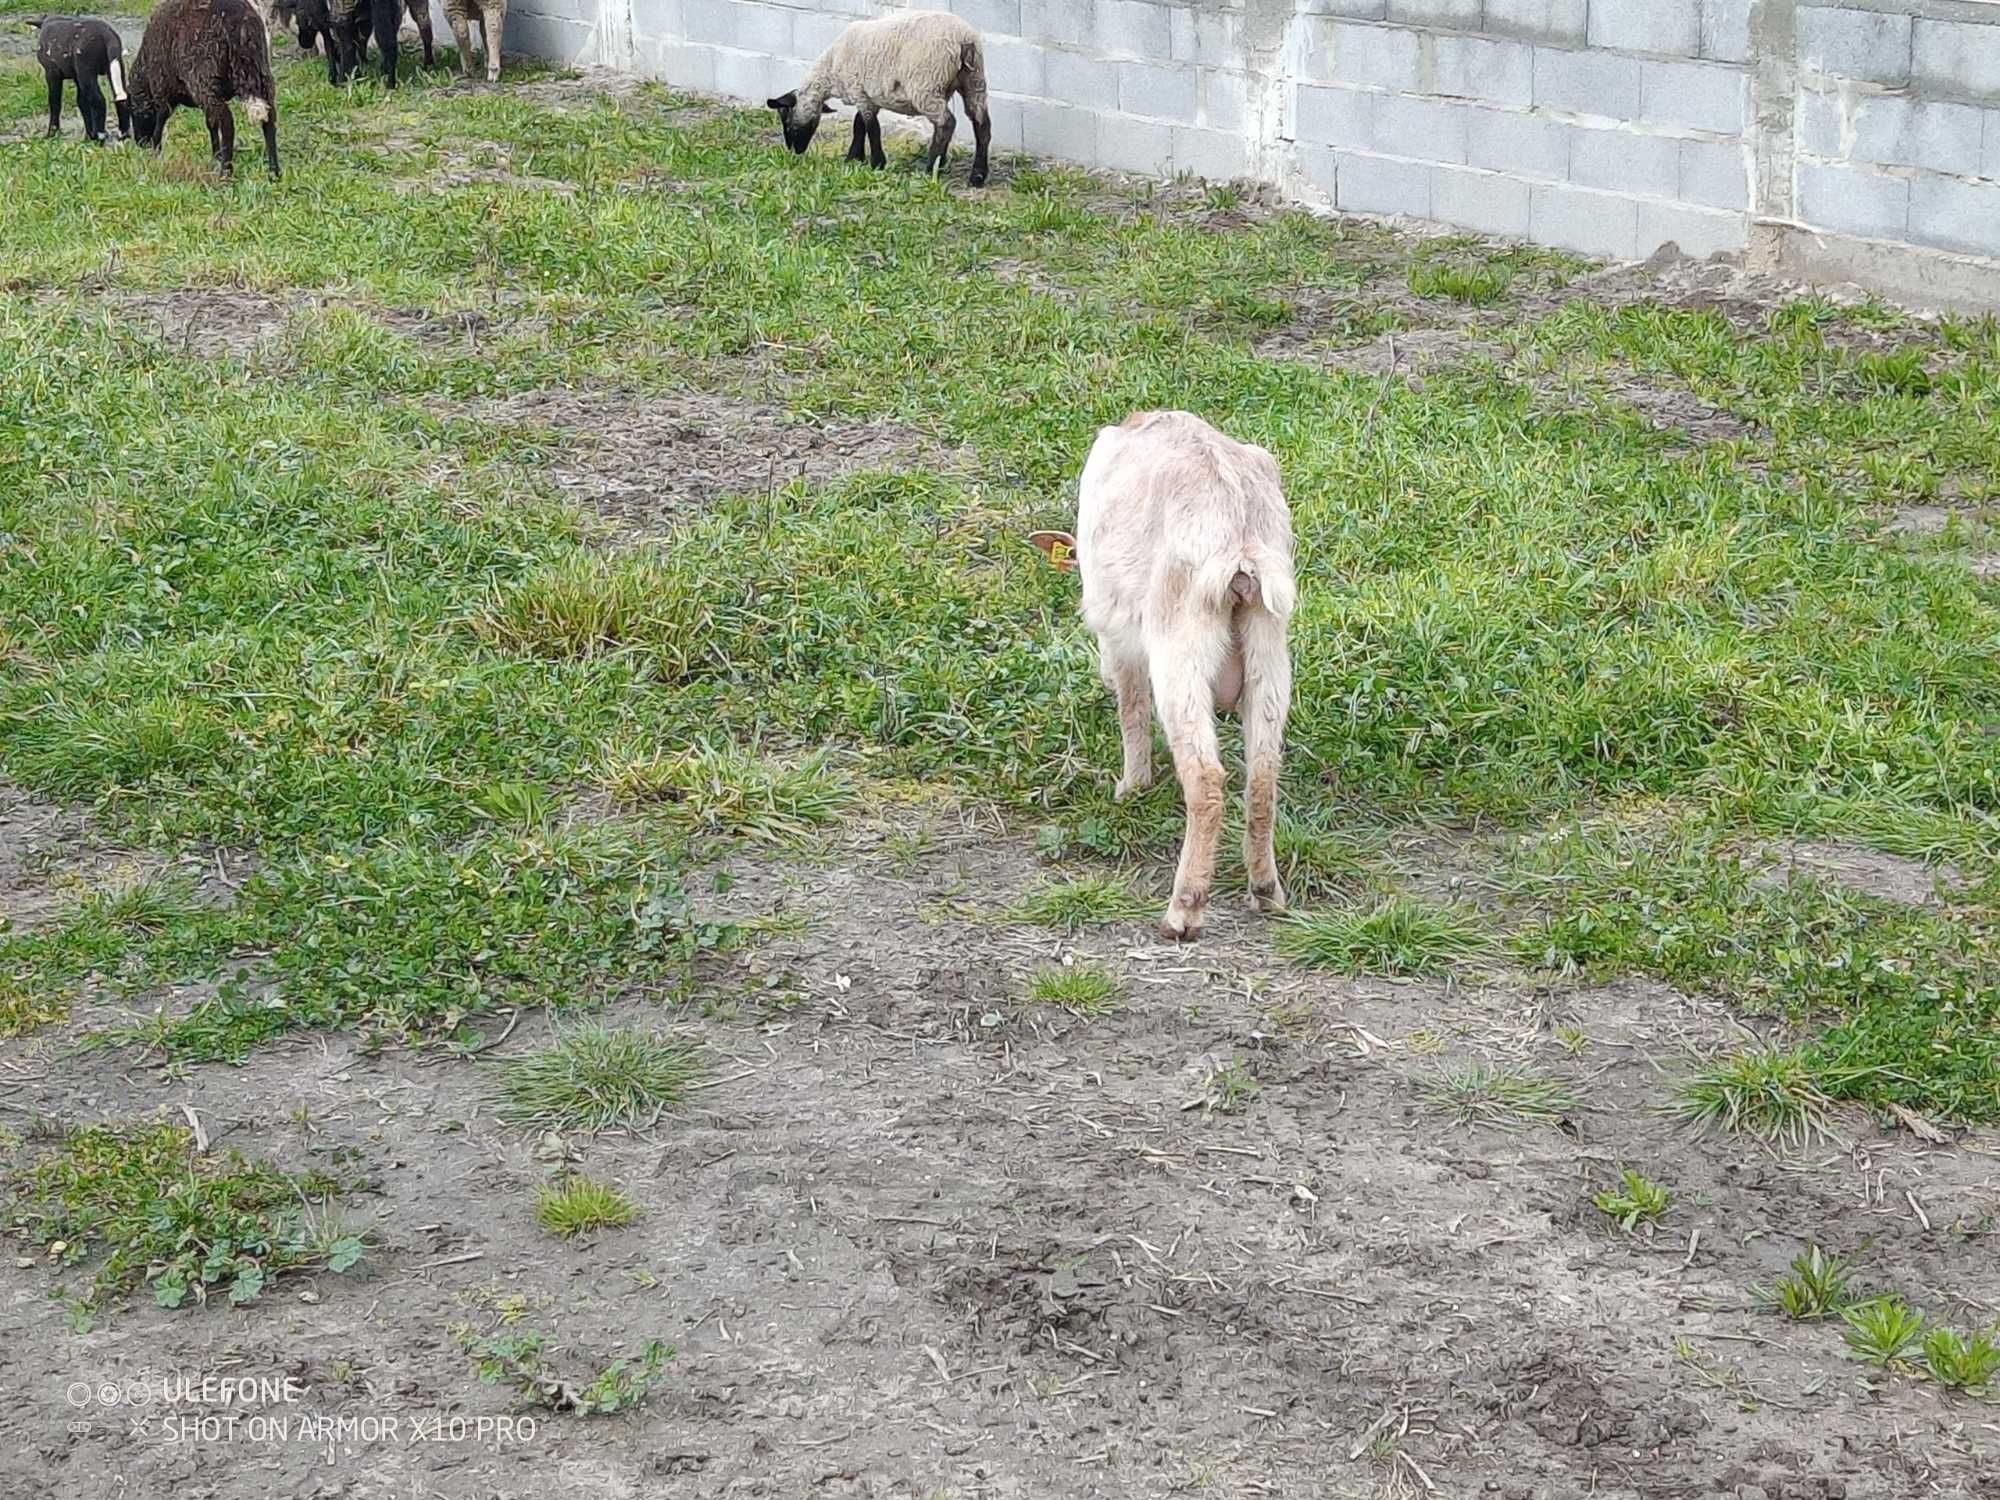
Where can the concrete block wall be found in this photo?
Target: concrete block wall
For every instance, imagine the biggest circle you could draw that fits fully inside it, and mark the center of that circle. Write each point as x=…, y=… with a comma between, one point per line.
x=1852, y=138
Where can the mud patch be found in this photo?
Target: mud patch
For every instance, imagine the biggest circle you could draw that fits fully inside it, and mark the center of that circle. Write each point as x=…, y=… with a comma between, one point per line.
x=587, y=88
x=52, y=856
x=1409, y=352
x=922, y=1237
x=1675, y=408
x=1869, y=872
x=645, y=461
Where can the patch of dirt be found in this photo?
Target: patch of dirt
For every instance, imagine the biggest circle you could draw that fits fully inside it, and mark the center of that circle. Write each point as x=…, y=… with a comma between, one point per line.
x=585, y=88
x=206, y=322
x=52, y=856
x=644, y=461
x=1890, y=877
x=921, y=1237
x=1675, y=408
x=1403, y=351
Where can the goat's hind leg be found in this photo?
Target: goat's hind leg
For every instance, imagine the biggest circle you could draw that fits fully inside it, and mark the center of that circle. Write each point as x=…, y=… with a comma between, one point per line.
x=55, y=102
x=1180, y=674
x=222, y=134
x=90, y=104
x=1264, y=706
x=1126, y=676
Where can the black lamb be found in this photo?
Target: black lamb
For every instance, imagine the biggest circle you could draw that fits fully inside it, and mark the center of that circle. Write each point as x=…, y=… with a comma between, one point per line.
x=312, y=22
x=353, y=22
x=204, y=53
x=82, y=50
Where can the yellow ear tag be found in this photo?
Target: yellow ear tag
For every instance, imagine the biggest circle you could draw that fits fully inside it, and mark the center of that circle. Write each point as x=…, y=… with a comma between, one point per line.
x=1059, y=553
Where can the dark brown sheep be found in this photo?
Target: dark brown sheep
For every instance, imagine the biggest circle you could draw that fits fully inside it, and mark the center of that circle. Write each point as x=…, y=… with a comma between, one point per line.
x=204, y=53
x=353, y=22
x=82, y=50
x=312, y=22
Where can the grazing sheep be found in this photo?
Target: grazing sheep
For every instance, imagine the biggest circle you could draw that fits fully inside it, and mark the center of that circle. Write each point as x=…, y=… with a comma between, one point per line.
x=352, y=23
x=909, y=64
x=492, y=18
x=1185, y=545
x=204, y=53
x=82, y=49
x=309, y=21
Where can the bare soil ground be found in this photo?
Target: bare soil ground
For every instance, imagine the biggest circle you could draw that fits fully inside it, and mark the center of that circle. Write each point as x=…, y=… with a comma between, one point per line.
x=924, y=1239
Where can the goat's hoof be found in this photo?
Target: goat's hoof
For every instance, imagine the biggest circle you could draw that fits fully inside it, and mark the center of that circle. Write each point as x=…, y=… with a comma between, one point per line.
x=977, y=179
x=1173, y=930
x=1130, y=786
x=1269, y=899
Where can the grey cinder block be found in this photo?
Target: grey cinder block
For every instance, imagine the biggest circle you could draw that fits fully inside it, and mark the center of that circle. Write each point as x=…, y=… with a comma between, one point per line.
x=1068, y=22
x=1961, y=58
x=1591, y=223
x=1422, y=128
x=1646, y=25
x=750, y=28
x=1354, y=10
x=1587, y=83
x=1853, y=200
x=1225, y=100
x=1154, y=91
x=1725, y=30
x=1380, y=57
x=813, y=32
x=1072, y=78
x=1462, y=13
x=1893, y=131
x=1698, y=96
x=992, y=17
x=1715, y=174
x=1376, y=185
x=1620, y=161
x=1206, y=36
x=753, y=76
x=1058, y=130
x=1518, y=144
x=1133, y=28
x=1329, y=116
x=1468, y=67
x=1014, y=67
x=1135, y=145
x=1320, y=167
x=1956, y=215
x=1699, y=232
x=1559, y=21
x=1855, y=44
x=1482, y=201
x=1217, y=155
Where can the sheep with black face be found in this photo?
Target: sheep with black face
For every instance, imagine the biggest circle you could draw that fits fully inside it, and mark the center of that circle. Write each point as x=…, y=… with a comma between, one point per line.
x=908, y=64
x=81, y=50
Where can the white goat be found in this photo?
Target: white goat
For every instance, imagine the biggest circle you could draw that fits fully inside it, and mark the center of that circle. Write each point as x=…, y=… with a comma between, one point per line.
x=909, y=64
x=492, y=18
x=1185, y=544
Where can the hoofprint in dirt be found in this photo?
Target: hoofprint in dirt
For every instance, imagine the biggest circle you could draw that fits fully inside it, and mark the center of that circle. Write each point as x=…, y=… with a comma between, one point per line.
x=922, y=1237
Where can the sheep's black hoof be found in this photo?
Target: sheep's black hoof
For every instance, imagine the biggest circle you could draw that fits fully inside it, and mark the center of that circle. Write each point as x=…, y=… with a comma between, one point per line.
x=977, y=179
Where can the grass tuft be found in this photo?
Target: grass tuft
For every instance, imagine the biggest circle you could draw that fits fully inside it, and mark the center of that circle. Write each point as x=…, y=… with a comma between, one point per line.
x=1961, y=1362
x=584, y=605
x=579, y=1204
x=1637, y=1199
x=722, y=789
x=1881, y=1329
x=1507, y=1098
x=1084, y=900
x=598, y=1078
x=1814, y=1288
x=1084, y=990
x=1771, y=1095
x=1475, y=283
x=1399, y=935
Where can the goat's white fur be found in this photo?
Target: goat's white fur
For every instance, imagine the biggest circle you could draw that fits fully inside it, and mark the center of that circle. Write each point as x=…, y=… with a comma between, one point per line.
x=118, y=80
x=1184, y=542
x=908, y=63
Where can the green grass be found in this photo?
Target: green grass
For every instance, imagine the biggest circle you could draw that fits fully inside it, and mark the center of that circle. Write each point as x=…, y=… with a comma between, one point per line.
x=1964, y=1362
x=721, y=789
x=1773, y=1096
x=311, y=600
x=1506, y=1098
x=146, y=1208
x=522, y=1359
x=1396, y=935
x=1815, y=1287
x=1636, y=1200
x=598, y=1078
x=578, y=1204
x=1882, y=1329
x=1081, y=901
x=1084, y=990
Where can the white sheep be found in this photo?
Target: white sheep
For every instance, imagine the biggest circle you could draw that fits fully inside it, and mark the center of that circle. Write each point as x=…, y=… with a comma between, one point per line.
x=1185, y=546
x=909, y=64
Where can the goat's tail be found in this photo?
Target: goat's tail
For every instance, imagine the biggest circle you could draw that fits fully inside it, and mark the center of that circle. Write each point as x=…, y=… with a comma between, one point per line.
x=117, y=71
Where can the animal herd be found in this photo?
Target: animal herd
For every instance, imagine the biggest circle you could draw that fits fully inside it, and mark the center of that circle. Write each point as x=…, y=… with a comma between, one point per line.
x=1184, y=539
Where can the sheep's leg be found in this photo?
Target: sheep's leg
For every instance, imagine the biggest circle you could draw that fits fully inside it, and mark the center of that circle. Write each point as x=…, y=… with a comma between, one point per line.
x=55, y=103
x=943, y=123
x=222, y=134
x=857, y=150
x=493, y=20
x=1126, y=676
x=271, y=139
x=1266, y=702
x=90, y=104
x=388, y=22
x=461, y=33
x=1187, y=710
x=420, y=12
x=877, y=158
x=982, y=137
